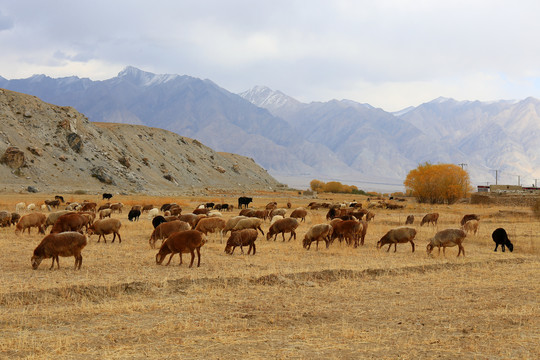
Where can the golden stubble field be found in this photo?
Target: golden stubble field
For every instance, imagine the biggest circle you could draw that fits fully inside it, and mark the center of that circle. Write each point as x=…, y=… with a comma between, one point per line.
x=284, y=302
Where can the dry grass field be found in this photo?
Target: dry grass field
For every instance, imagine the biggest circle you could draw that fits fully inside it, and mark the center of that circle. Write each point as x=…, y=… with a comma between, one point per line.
x=284, y=302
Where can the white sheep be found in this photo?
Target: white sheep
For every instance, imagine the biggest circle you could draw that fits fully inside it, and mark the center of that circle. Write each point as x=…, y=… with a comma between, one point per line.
x=276, y=218
x=31, y=207
x=153, y=213
x=20, y=207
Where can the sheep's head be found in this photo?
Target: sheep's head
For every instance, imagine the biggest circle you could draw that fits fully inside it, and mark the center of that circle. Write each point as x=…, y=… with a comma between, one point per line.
x=36, y=260
x=306, y=242
x=160, y=257
x=429, y=248
x=510, y=246
x=228, y=249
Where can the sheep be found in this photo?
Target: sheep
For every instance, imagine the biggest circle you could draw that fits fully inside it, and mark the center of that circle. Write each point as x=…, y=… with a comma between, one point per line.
x=89, y=206
x=395, y=236
x=214, y=213
x=231, y=223
x=271, y=205
x=363, y=231
x=211, y=224
x=29, y=221
x=242, y=238
x=182, y=242
x=158, y=220
x=52, y=246
x=20, y=207
x=430, y=218
x=249, y=223
x=410, y=220
x=471, y=226
x=275, y=218
x=500, y=237
x=15, y=217
x=190, y=218
x=117, y=207
x=72, y=206
x=350, y=230
x=203, y=211
x=45, y=207
x=447, y=238
x=69, y=222
x=134, y=215
x=299, y=213
x=175, y=210
x=105, y=213
x=147, y=207
x=31, y=207
x=105, y=227
x=318, y=233
x=247, y=212
x=152, y=213
x=52, y=217
x=136, y=207
x=279, y=211
x=468, y=217
x=164, y=230
x=282, y=226
x=5, y=218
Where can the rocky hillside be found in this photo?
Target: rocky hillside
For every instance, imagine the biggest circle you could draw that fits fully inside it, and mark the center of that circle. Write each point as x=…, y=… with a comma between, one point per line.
x=57, y=149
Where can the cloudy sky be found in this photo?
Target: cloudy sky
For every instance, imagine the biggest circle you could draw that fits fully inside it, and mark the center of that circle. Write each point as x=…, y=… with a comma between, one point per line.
x=390, y=54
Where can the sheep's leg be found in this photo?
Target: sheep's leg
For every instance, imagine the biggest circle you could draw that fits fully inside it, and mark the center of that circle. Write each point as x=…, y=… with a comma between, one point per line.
x=193, y=258
x=114, y=237
x=395, y=246
x=52, y=265
x=412, y=244
x=283, y=234
x=170, y=258
x=242, y=249
x=444, y=250
x=496, y=246
x=262, y=232
x=461, y=250
x=503, y=248
x=119, y=238
x=254, y=249
x=221, y=236
x=389, y=246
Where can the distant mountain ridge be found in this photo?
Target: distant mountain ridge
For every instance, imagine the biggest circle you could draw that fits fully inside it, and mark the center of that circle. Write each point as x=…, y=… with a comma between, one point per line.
x=336, y=140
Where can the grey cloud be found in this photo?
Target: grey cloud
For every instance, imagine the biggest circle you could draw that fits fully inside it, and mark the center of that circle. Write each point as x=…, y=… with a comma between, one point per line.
x=6, y=22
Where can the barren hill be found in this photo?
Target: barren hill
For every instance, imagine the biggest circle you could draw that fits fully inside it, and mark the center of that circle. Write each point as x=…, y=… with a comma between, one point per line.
x=54, y=148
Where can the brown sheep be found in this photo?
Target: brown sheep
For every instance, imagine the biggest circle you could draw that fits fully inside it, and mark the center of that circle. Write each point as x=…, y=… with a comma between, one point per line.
x=30, y=220
x=271, y=205
x=117, y=207
x=471, y=226
x=191, y=219
x=282, y=226
x=91, y=206
x=430, y=218
x=63, y=244
x=105, y=227
x=147, y=208
x=319, y=232
x=211, y=224
x=249, y=223
x=69, y=222
x=395, y=236
x=105, y=213
x=15, y=217
x=52, y=217
x=203, y=211
x=468, y=217
x=182, y=242
x=166, y=229
x=231, y=223
x=104, y=206
x=299, y=213
x=5, y=218
x=350, y=230
x=410, y=220
x=447, y=238
x=249, y=212
x=242, y=238
x=279, y=211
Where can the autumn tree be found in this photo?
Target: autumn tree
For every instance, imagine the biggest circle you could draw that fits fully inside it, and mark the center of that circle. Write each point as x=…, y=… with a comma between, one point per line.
x=438, y=184
x=316, y=185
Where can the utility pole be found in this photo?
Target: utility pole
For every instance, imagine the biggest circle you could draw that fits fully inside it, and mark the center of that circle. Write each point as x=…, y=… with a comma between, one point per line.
x=496, y=176
x=535, y=182
x=462, y=165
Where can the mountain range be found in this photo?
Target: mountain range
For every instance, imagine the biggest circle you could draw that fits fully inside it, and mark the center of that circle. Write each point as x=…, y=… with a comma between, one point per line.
x=296, y=142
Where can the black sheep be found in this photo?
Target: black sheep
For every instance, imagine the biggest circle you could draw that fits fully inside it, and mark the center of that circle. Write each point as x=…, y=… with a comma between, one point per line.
x=158, y=220
x=501, y=238
x=134, y=215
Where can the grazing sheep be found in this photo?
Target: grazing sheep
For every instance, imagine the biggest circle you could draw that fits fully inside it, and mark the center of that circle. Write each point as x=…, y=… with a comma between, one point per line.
x=136, y=207
x=175, y=210
x=275, y=218
x=350, y=230
x=319, y=232
x=147, y=207
x=72, y=206
x=63, y=244
x=279, y=211
x=117, y=207
x=31, y=207
x=249, y=223
x=471, y=226
x=249, y=212
x=104, y=206
x=214, y=213
x=166, y=229
x=231, y=223
x=271, y=205
x=90, y=206
x=447, y=238
x=500, y=237
x=105, y=213
x=395, y=236
x=468, y=217
x=243, y=200
x=5, y=218
x=370, y=216
x=158, y=220
x=282, y=226
x=59, y=197
x=29, y=221
x=15, y=217
x=105, y=227
x=52, y=217
x=182, y=242
x=20, y=207
x=430, y=218
x=363, y=231
x=190, y=218
x=261, y=214
x=242, y=238
x=152, y=213
x=70, y=222
x=134, y=215
x=299, y=213
x=106, y=196
x=211, y=224
x=410, y=220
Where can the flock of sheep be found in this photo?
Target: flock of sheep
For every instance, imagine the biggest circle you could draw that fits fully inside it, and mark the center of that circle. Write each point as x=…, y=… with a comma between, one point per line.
x=187, y=233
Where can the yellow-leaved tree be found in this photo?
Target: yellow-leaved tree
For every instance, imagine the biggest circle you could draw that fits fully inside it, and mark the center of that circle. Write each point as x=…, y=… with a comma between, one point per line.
x=438, y=184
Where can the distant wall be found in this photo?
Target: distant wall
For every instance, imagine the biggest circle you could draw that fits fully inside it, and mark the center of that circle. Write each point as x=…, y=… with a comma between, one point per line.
x=504, y=199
